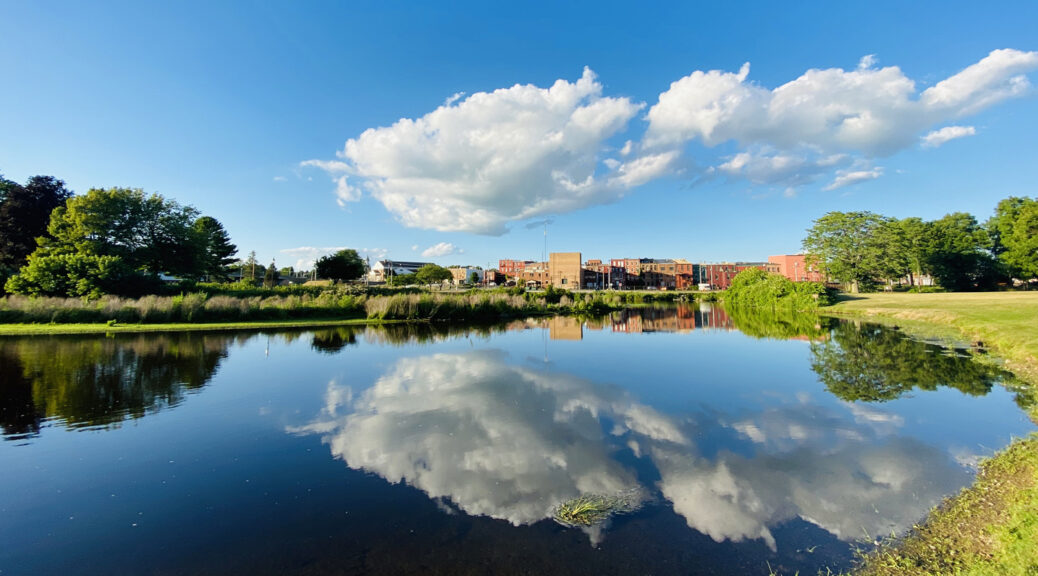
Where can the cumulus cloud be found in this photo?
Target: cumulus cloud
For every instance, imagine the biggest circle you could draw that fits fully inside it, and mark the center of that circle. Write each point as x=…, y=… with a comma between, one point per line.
x=440, y=249
x=480, y=161
x=937, y=137
x=866, y=112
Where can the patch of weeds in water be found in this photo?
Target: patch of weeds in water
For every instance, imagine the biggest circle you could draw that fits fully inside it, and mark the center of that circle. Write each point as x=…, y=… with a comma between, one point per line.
x=593, y=509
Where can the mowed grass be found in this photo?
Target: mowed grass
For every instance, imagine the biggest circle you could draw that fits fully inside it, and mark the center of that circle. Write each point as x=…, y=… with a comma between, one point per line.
x=991, y=527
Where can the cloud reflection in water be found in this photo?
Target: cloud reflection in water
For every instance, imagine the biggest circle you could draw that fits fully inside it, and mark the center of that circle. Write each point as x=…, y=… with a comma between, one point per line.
x=510, y=442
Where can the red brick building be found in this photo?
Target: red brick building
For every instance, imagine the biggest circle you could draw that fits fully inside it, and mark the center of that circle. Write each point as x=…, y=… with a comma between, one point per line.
x=719, y=276
x=512, y=269
x=795, y=267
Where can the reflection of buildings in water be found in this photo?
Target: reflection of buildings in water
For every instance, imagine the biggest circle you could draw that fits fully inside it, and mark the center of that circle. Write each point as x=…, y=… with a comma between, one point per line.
x=670, y=319
x=565, y=328
x=510, y=442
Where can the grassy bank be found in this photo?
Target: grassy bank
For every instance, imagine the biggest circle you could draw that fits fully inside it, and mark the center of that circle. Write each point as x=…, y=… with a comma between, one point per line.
x=64, y=329
x=990, y=527
x=22, y=315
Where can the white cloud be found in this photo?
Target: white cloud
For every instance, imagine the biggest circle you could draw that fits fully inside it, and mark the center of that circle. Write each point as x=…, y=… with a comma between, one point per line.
x=280, y=179
x=330, y=166
x=480, y=161
x=867, y=112
x=937, y=137
x=852, y=177
x=489, y=158
x=306, y=256
x=440, y=249
x=765, y=166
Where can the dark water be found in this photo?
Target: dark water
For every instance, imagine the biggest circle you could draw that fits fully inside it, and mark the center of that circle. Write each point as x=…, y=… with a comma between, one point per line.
x=780, y=446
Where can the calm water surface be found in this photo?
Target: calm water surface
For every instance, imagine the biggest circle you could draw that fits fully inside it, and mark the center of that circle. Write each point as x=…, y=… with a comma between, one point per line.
x=417, y=450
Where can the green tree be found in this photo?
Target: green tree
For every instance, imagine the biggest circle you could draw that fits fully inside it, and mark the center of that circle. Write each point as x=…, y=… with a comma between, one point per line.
x=402, y=280
x=342, y=266
x=958, y=253
x=24, y=215
x=149, y=233
x=271, y=276
x=69, y=275
x=474, y=278
x=916, y=236
x=432, y=274
x=1014, y=235
x=216, y=253
x=845, y=247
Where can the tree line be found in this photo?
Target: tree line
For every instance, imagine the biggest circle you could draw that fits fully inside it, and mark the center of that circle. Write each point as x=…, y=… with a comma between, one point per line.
x=107, y=241
x=863, y=250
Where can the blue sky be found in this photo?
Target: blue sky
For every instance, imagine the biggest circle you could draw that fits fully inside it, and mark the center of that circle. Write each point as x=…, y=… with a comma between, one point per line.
x=604, y=118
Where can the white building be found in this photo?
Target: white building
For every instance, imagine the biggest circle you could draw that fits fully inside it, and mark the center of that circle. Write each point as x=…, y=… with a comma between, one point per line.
x=383, y=269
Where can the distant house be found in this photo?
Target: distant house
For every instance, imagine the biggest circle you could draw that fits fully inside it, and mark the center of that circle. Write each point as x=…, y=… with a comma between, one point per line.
x=462, y=274
x=382, y=270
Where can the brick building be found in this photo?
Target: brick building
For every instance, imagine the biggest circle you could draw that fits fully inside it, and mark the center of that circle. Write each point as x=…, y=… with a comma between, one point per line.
x=795, y=267
x=565, y=270
x=719, y=276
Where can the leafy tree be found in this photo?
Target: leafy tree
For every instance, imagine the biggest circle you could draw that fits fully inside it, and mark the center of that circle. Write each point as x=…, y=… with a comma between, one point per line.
x=288, y=271
x=24, y=214
x=474, y=278
x=846, y=247
x=403, y=280
x=216, y=253
x=271, y=276
x=69, y=275
x=432, y=274
x=149, y=233
x=342, y=266
x=1014, y=235
x=958, y=253
x=916, y=246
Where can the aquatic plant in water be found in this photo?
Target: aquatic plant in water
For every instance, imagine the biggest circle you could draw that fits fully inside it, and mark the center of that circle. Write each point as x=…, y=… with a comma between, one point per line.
x=592, y=509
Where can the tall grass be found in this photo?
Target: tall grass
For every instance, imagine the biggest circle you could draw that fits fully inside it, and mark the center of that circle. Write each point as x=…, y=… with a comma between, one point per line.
x=193, y=307
x=199, y=307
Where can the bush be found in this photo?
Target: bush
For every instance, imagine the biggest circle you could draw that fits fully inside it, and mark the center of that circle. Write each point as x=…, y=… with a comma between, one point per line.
x=69, y=275
x=755, y=288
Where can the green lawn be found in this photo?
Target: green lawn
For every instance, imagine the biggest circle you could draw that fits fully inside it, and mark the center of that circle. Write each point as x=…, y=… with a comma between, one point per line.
x=990, y=528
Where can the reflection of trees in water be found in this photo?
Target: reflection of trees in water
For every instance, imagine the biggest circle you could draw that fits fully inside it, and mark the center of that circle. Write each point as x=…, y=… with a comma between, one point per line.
x=101, y=381
x=334, y=340
x=779, y=324
x=872, y=363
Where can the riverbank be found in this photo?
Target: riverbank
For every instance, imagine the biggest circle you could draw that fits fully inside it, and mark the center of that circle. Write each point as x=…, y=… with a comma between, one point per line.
x=990, y=527
x=91, y=328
